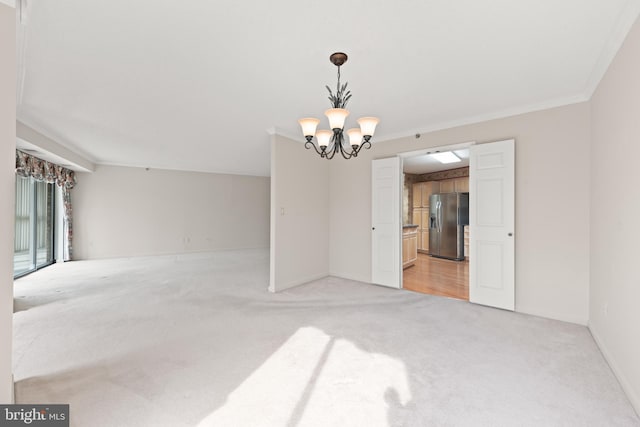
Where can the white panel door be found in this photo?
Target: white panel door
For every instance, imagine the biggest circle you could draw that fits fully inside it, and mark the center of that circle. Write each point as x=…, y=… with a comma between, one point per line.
x=491, y=224
x=386, y=232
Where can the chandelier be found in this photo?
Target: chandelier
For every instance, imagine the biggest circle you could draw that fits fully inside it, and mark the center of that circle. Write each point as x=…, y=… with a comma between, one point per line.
x=330, y=142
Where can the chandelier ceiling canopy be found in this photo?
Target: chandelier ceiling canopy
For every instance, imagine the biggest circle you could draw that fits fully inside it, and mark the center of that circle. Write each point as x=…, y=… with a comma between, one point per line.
x=330, y=142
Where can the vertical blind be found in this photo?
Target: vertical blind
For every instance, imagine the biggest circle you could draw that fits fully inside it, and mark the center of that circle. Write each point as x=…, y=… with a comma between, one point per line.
x=34, y=225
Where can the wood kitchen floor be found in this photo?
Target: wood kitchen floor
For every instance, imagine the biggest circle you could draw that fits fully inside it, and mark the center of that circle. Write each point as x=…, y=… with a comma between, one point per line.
x=437, y=276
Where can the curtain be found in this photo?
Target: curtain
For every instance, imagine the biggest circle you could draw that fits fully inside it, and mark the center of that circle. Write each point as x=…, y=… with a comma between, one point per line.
x=41, y=170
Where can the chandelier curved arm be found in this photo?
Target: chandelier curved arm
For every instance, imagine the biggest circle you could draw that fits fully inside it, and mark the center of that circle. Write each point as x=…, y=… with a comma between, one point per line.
x=310, y=144
x=365, y=144
x=337, y=145
x=332, y=152
x=337, y=141
x=332, y=148
x=346, y=155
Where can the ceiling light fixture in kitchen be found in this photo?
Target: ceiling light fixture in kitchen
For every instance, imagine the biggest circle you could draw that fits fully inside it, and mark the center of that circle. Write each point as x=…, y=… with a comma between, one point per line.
x=446, y=157
x=330, y=142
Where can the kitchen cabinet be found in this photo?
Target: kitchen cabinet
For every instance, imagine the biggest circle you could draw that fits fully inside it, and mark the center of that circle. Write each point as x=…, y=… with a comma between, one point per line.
x=429, y=188
x=424, y=221
x=422, y=191
x=420, y=213
x=447, y=186
x=416, y=191
x=461, y=185
x=466, y=242
x=409, y=246
x=424, y=241
x=457, y=185
x=421, y=219
x=417, y=217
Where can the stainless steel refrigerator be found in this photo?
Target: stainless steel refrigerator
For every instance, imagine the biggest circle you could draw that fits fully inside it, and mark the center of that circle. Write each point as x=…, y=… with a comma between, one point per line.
x=448, y=214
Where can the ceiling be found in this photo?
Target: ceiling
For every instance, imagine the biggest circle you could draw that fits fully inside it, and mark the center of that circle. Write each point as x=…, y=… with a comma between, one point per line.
x=424, y=163
x=195, y=85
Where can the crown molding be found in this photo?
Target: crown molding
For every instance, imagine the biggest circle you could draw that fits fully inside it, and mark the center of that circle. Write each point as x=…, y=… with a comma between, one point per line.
x=626, y=19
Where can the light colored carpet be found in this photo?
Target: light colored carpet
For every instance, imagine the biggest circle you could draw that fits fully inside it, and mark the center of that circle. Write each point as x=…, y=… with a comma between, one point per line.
x=196, y=340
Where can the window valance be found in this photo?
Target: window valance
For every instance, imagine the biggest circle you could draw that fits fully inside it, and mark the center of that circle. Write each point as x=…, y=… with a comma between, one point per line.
x=41, y=170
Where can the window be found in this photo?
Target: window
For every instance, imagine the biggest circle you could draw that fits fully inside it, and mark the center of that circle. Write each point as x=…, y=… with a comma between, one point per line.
x=33, y=245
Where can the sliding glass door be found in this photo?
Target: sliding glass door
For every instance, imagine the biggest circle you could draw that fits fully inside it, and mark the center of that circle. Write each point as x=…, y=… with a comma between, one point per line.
x=33, y=245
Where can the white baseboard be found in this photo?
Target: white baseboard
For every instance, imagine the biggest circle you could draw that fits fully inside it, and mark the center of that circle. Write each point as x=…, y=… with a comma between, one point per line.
x=551, y=315
x=297, y=282
x=628, y=389
x=350, y=277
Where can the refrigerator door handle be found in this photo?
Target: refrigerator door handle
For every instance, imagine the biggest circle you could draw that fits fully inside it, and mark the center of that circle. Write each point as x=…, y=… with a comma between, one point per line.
x=437, y=218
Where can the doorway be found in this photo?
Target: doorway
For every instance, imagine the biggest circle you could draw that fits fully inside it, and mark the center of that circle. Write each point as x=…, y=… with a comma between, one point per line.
x=491, y=219
x=429, y=177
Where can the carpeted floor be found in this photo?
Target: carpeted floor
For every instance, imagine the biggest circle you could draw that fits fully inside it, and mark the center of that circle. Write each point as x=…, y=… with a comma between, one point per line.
x=196, y=340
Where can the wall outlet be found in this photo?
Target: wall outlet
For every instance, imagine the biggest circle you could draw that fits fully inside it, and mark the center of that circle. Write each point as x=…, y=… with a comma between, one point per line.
x=605, y=309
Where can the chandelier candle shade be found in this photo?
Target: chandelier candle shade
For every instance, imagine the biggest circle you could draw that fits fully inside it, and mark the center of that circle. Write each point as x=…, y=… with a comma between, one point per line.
x=330, y=142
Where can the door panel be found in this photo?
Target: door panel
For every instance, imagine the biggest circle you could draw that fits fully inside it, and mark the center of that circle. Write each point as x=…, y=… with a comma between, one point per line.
x=386, y=232
x=492, y=220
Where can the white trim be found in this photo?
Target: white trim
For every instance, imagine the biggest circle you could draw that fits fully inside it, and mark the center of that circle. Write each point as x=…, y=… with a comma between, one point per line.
x=170, y=168
x=10, y=3
x=625, y=21
x=626, y=386
x=350, y=277
x=298, y=282
x=547, y=314
x=495, y=115
x=279, y=131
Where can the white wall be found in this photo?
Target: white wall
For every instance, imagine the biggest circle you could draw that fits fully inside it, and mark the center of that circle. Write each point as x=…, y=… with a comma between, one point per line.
x=552, y=206
x=7, y=192
x=299, y=214
x=614, y=317
x=124, y=211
